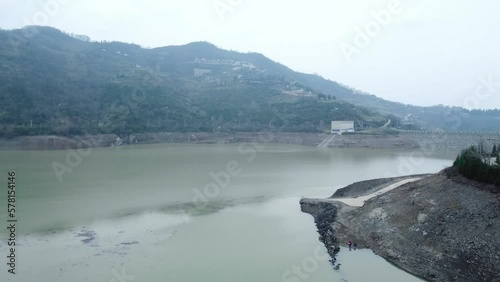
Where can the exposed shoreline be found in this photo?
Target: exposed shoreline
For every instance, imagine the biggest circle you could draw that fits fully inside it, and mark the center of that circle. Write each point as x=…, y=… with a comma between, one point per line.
x=442, y=227
x=433, y=141
x=327, y=211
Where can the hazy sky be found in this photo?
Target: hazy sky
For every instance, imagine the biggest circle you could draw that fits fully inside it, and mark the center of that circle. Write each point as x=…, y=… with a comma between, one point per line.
x=423, y=52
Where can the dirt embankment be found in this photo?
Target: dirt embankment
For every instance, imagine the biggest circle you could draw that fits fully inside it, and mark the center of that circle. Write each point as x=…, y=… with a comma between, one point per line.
x=441, y=228
x=307, y=139
x=376, y=141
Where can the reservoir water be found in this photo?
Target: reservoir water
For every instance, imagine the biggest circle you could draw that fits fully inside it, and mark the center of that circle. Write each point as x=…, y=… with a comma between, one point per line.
x=188, y=212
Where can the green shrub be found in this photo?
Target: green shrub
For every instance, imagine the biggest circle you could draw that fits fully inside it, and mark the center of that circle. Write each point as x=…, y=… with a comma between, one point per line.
x=473, y=163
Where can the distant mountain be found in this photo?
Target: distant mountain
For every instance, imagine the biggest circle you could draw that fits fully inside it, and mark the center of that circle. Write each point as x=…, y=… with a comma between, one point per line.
x=56, y=83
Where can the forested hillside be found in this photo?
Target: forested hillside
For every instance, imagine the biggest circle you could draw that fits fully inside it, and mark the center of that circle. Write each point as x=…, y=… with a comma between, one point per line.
x=53, y=83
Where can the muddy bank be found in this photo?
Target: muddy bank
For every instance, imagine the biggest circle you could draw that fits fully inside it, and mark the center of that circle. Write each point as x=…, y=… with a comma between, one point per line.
x=327, y=211
x=306, y=139
x=367, y=187
x=428, y=142
x=441, y=228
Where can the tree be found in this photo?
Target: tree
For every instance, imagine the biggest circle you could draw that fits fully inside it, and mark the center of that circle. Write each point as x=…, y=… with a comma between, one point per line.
x=494, y=152
x=470, y=164
x=483, y=153
x=480, y=148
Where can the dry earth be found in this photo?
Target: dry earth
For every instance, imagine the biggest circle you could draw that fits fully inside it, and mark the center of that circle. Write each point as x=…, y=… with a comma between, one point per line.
x=441, y=228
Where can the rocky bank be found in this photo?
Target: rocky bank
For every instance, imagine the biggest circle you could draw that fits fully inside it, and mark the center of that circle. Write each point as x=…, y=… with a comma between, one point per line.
x=443, y=227
x=426, y=141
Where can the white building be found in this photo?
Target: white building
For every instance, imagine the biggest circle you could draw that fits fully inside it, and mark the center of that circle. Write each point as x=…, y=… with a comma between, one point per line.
x=342, y=126
x=201, y=72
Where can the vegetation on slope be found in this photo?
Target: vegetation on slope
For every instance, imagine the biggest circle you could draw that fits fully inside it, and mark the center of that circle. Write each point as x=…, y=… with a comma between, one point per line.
x=477, y=164
x=53, y=83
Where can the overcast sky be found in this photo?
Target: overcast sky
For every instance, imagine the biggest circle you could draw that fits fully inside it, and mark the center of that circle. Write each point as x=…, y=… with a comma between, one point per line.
x=422, y=52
